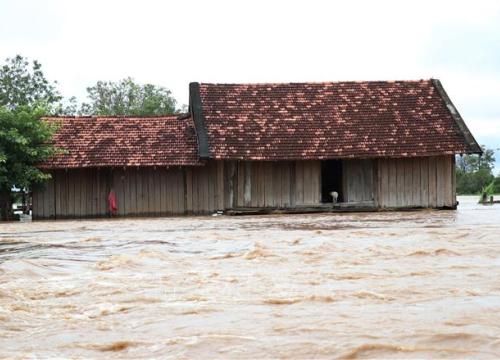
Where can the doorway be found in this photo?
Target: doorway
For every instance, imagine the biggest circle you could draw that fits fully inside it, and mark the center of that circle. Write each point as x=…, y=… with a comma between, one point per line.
x=331, y=180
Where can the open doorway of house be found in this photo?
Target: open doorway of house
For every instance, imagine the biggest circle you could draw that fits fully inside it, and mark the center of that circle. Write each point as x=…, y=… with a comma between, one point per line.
x=331, y=180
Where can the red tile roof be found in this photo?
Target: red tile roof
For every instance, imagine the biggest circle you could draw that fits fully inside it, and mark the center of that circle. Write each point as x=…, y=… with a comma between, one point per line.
x=124, y=141
x=330, y=120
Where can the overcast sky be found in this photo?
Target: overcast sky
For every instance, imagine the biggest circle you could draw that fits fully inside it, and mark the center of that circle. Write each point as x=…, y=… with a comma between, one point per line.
x=171, y=43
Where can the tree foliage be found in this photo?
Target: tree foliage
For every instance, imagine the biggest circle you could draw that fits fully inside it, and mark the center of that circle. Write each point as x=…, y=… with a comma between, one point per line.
x=128, y=98
x=474, y=173
x=25, y=141
x=24, y=84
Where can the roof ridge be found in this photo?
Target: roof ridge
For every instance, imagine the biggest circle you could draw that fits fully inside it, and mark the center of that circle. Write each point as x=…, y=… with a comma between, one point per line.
x=321, y=82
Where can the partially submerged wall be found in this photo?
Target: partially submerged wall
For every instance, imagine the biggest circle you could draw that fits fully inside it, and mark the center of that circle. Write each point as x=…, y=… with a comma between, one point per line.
x=385, y=183
x=416, y=182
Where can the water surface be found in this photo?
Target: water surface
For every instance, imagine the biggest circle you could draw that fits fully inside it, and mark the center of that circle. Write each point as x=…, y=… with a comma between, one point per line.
x=369, y=285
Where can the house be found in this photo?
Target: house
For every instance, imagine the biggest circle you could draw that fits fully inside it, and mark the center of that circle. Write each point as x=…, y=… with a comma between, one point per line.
x=264, y=147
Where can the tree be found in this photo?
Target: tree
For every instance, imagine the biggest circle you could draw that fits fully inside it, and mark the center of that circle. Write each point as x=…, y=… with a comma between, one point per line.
x=25, y=141
x=128, y=98
x=22, y=84
x=474, y=172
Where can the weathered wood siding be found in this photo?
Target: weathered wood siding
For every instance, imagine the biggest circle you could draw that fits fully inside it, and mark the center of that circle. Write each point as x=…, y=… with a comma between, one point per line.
x=277, y=184
x=389, y=183
x=419, y=182
x=358, y=180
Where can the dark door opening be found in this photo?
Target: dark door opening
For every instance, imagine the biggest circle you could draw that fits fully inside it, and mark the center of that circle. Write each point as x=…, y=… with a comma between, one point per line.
x=331, y=180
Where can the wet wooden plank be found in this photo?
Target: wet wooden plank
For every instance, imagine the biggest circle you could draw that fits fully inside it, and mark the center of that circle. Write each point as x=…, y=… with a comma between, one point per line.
x=440, y=180
x=392, y=168
x=416, y=182
x=424, y=181
x=220, y=185
x=383, y=170
x=448, y=180
x=453, y=181
x=180, y=191
x=432, y=182
x=299, y=182
x=269, y=184
x=400, y=184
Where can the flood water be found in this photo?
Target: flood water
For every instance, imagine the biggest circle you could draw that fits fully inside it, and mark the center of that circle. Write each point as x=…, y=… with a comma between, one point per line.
x=423, y=284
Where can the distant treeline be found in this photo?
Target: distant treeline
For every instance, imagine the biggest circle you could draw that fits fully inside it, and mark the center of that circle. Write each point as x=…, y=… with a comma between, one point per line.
x=475, y=174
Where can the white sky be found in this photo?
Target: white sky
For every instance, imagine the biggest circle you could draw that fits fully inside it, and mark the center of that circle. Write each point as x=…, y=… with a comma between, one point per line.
x=172, y=43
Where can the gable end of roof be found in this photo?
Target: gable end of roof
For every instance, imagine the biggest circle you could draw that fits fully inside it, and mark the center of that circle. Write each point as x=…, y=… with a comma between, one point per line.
x=469, y=139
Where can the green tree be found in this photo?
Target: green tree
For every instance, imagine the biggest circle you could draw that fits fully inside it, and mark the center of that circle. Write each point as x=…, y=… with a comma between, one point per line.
x=128, y=98
x=25, y=141
x=25, y=96
x=24, y=84
x=474, y=172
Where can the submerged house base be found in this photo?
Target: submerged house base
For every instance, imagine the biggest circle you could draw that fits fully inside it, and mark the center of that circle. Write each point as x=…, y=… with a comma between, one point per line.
x=250, y=187
x=263, y=148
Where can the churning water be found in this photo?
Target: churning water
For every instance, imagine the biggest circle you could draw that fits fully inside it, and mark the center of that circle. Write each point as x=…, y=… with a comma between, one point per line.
x=368, y=285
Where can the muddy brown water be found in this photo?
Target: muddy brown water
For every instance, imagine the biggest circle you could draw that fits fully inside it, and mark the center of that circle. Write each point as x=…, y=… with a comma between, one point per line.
x=422, y=284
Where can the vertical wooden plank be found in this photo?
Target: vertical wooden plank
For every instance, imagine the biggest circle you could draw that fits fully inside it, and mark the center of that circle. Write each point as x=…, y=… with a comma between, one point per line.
x=276, y=174
x=162, y=193
x=156, y=192
x=368, y=183
x=291, y=189
x=285, y=183
x=453, y=182
x=212, y=186
x=189, y=190
x=424, y=181
x=383, y=170
x=448, y=180
x=254, y=184
x=78, y=192
x=181, y=181
x=400, y=164
x=57, y=193
x=376, y=182
x=48, y=199
x=268, y=184
x=151, y=191
x=393, y=182
x=416, y=184
x=299, y=182
x=89, y=192
x=220, y=185
x=132, y=189
x=240, y=183
x=141, y=193
x=408, y=192
x=433, y=181
x=307, y=183
x=440, y=181
x=316, y=181
x=70, y=212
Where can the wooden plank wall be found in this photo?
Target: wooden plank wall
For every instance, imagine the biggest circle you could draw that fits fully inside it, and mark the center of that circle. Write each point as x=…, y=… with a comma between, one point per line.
x=83, y=193
x=205, y=188
x=308, y=182
x=358, y=180
x=419, y=182
x=277, y=184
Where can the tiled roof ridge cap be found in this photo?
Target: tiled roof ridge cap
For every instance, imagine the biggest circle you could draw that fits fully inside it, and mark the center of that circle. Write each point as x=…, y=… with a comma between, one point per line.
x=321, y=82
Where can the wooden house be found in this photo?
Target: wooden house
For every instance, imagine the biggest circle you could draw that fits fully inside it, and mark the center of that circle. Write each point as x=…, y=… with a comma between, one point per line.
x=262, y=148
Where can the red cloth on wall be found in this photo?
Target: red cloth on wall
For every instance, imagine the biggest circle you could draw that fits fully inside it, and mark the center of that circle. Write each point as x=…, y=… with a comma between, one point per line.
x=112, y=205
